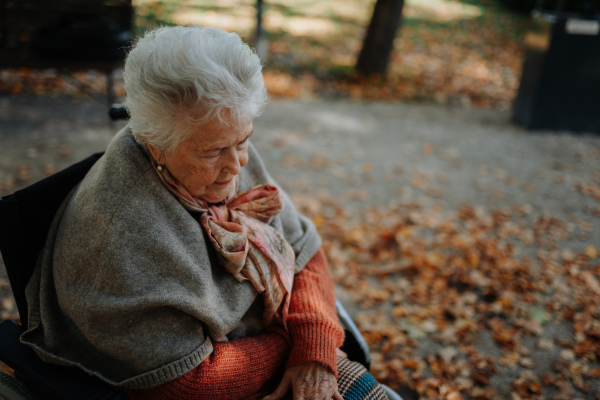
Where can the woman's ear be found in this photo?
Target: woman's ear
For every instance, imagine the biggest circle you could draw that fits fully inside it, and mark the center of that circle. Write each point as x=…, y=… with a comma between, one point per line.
x=158, y=156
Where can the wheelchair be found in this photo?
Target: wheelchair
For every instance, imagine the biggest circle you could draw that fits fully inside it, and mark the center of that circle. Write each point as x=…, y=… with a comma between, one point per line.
x=25, y=218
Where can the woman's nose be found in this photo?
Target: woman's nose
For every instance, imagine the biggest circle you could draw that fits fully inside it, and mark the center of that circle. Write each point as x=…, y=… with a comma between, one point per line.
x=233, y=165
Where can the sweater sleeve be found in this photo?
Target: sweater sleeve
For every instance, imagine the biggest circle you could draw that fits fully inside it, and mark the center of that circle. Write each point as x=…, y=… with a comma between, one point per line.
x=312, y=318
x=234, y=370
x=243, y=368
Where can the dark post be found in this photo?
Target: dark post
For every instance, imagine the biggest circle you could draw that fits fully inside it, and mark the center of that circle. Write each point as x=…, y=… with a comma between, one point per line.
x=260, y=43
x=259, y=11
x=379, y=41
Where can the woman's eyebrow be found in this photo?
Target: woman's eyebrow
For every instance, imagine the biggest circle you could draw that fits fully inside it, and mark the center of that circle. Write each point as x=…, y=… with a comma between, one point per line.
x=226, y=147
x=241, y=141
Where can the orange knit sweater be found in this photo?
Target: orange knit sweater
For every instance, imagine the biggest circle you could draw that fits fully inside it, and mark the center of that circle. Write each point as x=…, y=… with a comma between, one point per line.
x=251, y=368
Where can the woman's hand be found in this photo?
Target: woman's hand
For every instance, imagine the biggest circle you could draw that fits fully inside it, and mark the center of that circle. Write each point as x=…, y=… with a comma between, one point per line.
x=340, y=353
x=308, y=381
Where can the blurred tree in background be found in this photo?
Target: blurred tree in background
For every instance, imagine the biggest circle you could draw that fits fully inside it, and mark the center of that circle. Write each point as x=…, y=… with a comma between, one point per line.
x=379, y=41
x=461, y=52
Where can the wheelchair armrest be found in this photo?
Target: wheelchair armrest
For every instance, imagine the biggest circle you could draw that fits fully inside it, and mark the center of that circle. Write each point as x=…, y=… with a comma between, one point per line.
x=354, y=344
x=49, y=381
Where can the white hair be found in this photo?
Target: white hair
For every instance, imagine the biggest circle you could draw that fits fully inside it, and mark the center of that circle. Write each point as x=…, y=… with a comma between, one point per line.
x=177, y=78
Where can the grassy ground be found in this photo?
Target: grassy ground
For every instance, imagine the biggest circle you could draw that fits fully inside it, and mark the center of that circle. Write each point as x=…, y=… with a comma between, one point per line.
x=466, y=53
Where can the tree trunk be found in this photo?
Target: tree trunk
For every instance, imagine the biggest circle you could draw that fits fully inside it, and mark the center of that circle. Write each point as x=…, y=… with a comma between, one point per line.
x=379, y=41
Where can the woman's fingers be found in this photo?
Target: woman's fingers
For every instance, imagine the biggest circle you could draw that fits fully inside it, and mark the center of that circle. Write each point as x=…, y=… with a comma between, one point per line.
x=313, y=381
x=309, y=381
x=337, y=396
x=281, y=390
x=325, y=393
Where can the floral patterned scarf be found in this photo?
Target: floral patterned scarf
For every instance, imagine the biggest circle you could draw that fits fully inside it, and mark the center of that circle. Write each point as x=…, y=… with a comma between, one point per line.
x=246, y=245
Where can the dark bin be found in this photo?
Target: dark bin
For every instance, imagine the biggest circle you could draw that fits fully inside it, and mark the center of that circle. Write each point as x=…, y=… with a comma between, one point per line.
x=560, y=84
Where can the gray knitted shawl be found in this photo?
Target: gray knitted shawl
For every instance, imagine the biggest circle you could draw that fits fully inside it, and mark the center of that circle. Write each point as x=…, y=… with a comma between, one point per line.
x=127, y=287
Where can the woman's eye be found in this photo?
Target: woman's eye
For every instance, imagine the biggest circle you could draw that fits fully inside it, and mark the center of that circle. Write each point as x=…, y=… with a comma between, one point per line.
x=212, y=154
x=242, y=145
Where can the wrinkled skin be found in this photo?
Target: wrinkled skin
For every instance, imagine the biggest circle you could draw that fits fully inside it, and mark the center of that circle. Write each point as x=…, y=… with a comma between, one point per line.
x=308, y=381
x=206, y=162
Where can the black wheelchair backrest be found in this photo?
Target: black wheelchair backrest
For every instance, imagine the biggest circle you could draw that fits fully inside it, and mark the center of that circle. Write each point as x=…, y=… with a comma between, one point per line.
x=25, y=218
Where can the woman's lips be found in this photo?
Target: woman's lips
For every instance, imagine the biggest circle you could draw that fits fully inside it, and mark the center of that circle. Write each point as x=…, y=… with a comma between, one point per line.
x=223, y=183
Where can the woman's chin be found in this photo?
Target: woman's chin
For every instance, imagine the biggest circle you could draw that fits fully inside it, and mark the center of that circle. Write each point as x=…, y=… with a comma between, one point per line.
x=212, y=198
x=216, y=195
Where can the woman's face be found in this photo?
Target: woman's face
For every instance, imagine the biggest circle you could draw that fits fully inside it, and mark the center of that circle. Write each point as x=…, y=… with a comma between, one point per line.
x=206, y=162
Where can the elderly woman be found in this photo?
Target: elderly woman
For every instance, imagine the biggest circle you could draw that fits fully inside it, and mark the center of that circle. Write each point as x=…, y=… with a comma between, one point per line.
x=178, y=268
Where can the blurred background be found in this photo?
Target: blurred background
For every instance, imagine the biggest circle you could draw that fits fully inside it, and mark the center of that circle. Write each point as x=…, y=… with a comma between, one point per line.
x=467, y=52
x=447, y=151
